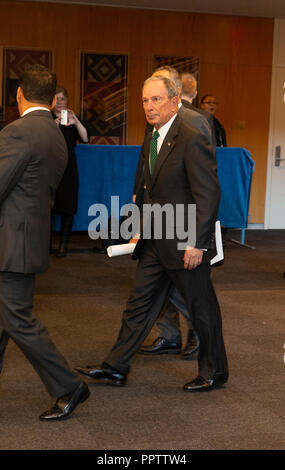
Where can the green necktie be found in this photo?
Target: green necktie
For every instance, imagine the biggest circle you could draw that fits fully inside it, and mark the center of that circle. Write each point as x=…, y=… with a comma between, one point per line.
x=153, y=150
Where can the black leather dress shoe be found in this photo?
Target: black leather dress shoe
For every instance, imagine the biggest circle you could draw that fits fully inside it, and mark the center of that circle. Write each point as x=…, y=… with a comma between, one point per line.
x=200, y=384
x=161, y=346
x=192, y=345
x=104, y=376
x=66, y=404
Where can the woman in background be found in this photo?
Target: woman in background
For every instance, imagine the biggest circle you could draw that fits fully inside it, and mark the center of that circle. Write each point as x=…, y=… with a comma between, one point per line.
x=67, y=193
x=209, y=103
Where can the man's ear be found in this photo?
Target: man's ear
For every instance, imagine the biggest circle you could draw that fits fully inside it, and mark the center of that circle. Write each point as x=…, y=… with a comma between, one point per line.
x=175, y=101
x=19, y=95
x=53, y=102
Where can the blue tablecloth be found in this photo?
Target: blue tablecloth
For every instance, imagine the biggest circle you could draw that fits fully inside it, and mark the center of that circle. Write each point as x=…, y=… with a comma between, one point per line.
x=235, y=169
x=104, y=171
x=109, y=170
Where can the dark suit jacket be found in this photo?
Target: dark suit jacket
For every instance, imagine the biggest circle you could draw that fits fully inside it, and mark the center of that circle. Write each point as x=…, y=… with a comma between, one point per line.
x=208, y=116
x=33, y=157
x=196, y=120
x=193, y=119
x=185, y=173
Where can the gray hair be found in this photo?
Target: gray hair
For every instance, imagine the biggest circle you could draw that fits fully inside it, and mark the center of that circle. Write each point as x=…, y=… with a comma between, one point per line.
x=189, y=85
x=170, y=85
x=174, y=74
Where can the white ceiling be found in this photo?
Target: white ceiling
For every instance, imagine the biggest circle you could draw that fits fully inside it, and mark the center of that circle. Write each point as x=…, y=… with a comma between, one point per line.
x=257, y=8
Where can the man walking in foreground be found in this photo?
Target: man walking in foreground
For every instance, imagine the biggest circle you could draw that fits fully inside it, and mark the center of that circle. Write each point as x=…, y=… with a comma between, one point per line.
x=33, y=157
x=179, y=169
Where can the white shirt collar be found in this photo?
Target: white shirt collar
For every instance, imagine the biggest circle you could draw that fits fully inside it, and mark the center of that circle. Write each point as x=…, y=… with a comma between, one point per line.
x=34, y=108
x=163, y=131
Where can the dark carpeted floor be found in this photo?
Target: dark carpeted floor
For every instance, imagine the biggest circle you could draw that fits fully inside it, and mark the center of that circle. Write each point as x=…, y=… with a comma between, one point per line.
x=81, y=299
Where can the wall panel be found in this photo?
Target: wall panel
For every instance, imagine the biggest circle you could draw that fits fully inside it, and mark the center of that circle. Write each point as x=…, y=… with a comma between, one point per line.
x=235, y=61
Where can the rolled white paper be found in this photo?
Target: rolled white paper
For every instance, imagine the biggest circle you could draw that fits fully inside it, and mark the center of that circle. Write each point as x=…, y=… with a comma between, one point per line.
x=219, y=244
x=124, y=249
x=128, y=248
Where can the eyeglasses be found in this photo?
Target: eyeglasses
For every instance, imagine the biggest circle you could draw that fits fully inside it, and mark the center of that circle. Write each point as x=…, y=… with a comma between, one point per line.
x=210, y=102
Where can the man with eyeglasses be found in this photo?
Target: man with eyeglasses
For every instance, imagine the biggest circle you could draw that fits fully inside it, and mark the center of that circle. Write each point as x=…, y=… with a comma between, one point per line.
x=209, y=104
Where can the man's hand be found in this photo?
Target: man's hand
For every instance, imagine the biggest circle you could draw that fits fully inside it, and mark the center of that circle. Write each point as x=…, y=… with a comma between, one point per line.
x=192, y=258
x=135, y=238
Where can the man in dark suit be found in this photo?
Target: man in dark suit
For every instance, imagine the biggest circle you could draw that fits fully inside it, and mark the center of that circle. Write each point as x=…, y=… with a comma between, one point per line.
x=169, y=340
x=33, y=157
x=193, y=118
x=189, y=92
x=184, y=173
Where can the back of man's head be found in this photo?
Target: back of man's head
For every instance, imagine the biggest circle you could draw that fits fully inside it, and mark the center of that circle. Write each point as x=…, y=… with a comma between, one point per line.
x=38, y=84
x=189, y=86
x=172, y=73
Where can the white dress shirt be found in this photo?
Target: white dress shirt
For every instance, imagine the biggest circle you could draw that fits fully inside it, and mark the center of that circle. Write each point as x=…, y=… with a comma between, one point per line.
x=163, y=131
x=34, y=108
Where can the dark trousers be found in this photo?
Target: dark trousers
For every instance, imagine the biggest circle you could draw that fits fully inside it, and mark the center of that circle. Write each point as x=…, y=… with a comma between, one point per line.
x=168, y=321
x=18, y=323
x=151, y=287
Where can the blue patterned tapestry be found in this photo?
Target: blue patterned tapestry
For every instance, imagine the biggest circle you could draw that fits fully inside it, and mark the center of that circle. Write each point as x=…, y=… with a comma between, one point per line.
x=103, y=97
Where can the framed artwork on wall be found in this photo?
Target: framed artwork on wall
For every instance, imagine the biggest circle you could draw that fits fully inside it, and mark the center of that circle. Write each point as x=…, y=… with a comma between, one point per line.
x=14, y=62
x=104, y=97
x=181, y=64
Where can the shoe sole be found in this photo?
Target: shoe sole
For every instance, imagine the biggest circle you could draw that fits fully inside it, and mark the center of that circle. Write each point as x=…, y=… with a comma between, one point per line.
x=113, y=383
x=204, y=389
x=165, y=351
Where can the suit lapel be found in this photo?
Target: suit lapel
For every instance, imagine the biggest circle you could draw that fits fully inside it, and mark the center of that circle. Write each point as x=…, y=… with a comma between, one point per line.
x=166, y=149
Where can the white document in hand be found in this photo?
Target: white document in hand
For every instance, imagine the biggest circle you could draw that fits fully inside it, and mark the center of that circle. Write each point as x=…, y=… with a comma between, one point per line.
x=118, y=250
x=128, y=248
x=219, y=244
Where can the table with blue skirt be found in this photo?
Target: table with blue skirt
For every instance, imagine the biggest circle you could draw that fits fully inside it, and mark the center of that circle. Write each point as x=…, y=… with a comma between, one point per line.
x=109, y=170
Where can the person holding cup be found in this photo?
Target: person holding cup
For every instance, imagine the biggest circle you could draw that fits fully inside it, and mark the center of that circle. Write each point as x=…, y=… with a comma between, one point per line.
x=66, y=198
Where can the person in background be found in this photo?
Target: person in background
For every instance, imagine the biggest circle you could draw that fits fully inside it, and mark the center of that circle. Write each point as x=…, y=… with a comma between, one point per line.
x=189, y=92
x=66, y=198
x=209, y=103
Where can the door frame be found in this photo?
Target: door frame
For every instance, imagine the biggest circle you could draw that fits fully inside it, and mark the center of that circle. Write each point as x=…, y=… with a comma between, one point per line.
x=279, y=28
